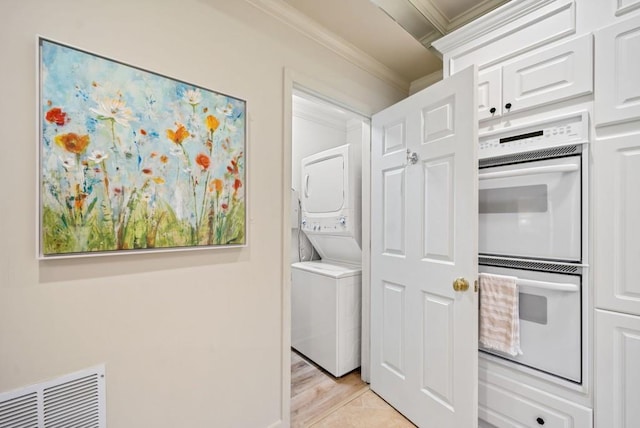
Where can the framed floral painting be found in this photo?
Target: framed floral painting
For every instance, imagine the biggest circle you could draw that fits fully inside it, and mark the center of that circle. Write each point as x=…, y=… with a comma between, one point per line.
x=131, y=160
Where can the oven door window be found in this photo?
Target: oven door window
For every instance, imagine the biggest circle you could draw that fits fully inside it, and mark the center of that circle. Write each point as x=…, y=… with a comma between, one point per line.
x=531, y=210
x=533, y=308
x=514, y=200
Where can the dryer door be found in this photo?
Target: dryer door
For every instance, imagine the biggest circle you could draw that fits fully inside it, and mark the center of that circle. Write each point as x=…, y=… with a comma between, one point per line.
x=323, y=183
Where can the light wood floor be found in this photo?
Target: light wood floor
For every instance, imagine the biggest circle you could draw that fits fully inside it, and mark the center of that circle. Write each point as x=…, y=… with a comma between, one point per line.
x=320, y=400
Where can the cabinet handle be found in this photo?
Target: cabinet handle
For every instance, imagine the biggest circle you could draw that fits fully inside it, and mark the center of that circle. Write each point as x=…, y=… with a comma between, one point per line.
x=540, y=421
x=507, y=106
x=492, y=110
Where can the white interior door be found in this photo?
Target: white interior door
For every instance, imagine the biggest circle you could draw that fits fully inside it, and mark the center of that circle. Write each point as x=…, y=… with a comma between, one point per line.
x=424, y=228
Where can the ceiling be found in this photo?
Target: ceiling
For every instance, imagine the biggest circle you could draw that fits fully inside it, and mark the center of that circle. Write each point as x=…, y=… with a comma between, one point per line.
x=398, y=36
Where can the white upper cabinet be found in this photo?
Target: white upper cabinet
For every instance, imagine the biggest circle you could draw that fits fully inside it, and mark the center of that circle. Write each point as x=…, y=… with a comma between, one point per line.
x=548, y=76
x=617, y=65
x=490, y=94
x=535, y=79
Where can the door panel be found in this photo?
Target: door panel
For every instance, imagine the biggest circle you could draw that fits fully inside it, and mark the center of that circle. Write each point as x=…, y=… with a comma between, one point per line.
x=394, y=216
x=393, y=328
x=438, y=348
x=438, y=120
x=394, y=137
x=438, y=209
x=424, y=235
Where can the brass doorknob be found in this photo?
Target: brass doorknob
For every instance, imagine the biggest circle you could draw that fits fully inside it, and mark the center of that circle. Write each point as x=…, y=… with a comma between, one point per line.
x=460, y=284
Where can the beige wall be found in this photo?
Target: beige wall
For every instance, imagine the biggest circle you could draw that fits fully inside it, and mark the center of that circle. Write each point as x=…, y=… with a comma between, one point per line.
x=189, y=339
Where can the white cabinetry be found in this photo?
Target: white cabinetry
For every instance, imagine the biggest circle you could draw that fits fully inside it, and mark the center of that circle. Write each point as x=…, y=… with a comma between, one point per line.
x=543, y=77
x=505, y=403
x=616, y=193
x=490, y=93
x=617, y=370
x=617, y=65
x=616, y=177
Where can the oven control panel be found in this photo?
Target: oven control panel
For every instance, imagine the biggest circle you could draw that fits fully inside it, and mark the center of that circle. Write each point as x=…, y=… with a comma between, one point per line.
x=556, y=132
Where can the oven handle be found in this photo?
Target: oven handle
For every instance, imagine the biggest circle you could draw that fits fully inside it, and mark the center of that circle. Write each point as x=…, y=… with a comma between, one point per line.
x=555, y=286
x=529, y=171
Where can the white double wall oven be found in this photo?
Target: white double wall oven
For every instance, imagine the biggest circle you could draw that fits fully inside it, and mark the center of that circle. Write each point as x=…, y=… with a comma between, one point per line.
x=532, y=225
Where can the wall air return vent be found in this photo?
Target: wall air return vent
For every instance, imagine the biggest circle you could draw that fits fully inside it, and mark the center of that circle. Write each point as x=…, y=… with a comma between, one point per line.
x=75, y=400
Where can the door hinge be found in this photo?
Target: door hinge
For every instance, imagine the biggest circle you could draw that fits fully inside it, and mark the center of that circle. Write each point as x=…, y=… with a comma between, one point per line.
x=475, y=285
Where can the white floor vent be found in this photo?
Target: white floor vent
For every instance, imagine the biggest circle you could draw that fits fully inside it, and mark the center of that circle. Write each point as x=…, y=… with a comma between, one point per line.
x=76, y=400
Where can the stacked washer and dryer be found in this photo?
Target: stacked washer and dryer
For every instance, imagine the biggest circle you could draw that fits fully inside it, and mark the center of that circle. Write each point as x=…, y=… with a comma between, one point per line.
x=326, y=293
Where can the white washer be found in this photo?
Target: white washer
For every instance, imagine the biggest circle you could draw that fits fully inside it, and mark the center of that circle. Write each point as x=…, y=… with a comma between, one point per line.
x=325, y=314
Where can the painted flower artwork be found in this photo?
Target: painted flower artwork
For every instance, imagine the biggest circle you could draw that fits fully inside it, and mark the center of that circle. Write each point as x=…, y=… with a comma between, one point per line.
x=133, y=160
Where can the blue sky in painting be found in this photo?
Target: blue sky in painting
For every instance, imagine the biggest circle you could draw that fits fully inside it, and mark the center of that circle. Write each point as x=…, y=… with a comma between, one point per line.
x=79, y=83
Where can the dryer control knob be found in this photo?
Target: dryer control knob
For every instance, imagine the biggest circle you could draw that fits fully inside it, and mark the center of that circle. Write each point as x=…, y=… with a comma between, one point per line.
x=342, y=220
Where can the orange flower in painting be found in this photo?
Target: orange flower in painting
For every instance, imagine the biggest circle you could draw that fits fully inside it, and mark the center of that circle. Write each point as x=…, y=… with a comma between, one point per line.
x=216, y=184
x=203, y=160
x=236, y=185
x=79, y=198
x=73, y=143
x=57, y=116
x=212, y=123
x=159, y=180
x=164, y=158
x=179, y=135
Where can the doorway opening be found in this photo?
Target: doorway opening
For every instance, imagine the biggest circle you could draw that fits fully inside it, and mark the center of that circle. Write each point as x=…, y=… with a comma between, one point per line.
x=320, y=117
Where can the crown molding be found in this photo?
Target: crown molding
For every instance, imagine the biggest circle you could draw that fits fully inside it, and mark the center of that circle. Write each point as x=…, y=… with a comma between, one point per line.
x=496, y=19
x=423, y=82
x=478, y=10
x=319, y=113
x=314, y=31
x=432, y=13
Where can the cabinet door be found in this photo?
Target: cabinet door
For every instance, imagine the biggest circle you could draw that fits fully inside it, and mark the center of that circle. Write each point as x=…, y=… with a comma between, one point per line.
x=551, y=75
x=616, y=208
x=617, y=370
x=617, y=67
x=489, y=93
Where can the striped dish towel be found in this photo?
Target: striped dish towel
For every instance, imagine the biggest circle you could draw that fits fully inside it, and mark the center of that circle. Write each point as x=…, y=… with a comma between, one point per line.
x=499, y=314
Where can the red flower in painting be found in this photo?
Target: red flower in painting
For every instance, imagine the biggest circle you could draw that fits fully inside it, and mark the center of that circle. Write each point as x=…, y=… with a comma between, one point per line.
x=237, y=184
x=224, y=206
x=233, y=169
x=203, y=160
x=57, y=116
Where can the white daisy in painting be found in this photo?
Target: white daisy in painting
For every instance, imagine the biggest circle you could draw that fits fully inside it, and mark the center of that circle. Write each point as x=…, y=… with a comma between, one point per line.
x=193, y=97
x=98, y=156
x=226, y=110
x=115, y=110
x=68, y=163
x=175, y=151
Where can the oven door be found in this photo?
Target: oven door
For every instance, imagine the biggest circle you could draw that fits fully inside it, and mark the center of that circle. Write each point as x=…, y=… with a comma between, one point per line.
x=550, y=322
x=531, y=209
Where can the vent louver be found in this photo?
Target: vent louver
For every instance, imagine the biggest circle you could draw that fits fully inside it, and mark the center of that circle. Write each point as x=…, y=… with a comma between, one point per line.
x=529, y=265
x=19, y=412
x=555, y=152
x=73, y=401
